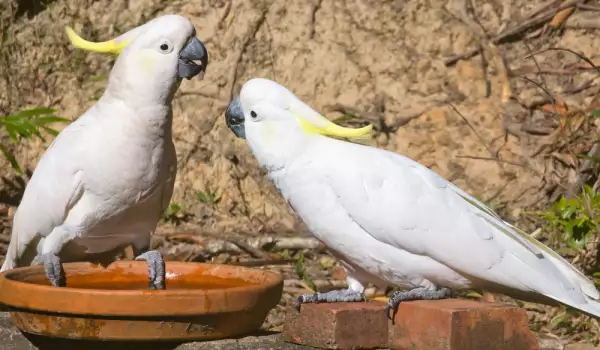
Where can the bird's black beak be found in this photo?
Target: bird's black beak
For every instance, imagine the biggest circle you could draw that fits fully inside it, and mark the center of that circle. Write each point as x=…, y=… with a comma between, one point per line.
x=193, y=60
x=234, y=118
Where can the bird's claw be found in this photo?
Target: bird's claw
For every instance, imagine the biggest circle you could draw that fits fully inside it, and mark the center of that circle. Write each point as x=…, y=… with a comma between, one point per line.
x=414, y=294
x=52, y=268
x=156, y=268
x=334, y=296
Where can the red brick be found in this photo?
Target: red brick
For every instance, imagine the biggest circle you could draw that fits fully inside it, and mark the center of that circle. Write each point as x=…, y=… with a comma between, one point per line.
x=338, y=325
x=455, y=324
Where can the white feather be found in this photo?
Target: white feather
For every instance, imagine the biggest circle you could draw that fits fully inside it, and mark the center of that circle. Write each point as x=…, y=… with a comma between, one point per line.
x=392, y=220
x=106, y=178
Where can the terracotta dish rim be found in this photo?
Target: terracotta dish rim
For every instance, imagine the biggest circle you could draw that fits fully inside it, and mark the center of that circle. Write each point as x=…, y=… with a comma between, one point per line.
x=132, y=303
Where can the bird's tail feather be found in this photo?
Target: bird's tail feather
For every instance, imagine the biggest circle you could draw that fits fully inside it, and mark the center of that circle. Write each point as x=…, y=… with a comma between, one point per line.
x=591, y=308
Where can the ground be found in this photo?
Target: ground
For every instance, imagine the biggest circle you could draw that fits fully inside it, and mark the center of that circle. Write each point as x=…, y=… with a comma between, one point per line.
x=488, y=123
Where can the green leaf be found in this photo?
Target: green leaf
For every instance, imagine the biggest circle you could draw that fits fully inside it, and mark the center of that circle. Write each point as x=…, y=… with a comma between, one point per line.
x=100, y=77
x=11, y=159
x=13, y=135
x=596, y=113
x=585, y=156
x=560, y=319
x=7, y=37
x=50, y=130
x=310, y=284
x=48, y=120
x=35, y=112
x=22, y=129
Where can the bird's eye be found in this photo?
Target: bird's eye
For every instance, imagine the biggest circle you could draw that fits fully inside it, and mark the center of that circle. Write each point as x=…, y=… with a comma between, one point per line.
x=253, y=114
x=165, y=47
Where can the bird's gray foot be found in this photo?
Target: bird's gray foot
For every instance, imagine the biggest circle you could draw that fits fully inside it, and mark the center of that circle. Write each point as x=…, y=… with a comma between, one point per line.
x=52, y=267
x=156, y=268
x=334, y=296
x=415, y=294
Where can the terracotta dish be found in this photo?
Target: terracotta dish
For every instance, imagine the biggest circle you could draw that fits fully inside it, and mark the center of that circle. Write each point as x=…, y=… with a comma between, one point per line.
x=201, y=301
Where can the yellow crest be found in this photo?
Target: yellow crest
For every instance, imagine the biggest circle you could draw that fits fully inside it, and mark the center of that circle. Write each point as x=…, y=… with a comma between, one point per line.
x=110, y=46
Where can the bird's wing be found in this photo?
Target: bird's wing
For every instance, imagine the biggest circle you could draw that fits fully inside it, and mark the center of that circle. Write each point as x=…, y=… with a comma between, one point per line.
x=55, y=187
x=170, y=182
x=404, y=204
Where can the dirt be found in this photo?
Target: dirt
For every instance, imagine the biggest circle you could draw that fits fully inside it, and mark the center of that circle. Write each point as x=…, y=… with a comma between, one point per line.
x=383, y=62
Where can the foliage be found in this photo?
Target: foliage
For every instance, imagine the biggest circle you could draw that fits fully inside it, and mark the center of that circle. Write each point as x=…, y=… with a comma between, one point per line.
x=574, y=221
x=300, y=271
x=176, y=214
x=209, y=196
x=572, y=227
x=27, y=124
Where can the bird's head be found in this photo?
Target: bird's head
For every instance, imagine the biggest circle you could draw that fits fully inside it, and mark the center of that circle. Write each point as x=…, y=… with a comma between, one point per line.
x=153, y=58
x=278, y=124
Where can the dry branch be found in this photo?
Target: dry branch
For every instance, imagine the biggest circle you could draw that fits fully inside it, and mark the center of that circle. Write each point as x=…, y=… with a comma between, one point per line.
x=254, y=252
x=583, y=173
x=518, y=29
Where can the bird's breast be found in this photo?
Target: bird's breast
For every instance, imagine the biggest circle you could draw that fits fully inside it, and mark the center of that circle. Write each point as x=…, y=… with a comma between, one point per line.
x=131, y=167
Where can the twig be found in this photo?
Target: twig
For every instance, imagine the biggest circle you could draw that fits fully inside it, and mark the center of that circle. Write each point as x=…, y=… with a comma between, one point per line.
x=543, y=7
x=264, y=262
x=473, y=129
x=545, y=88
x=320, y=285
x=503, y=71
x=270, y=243
x=313, y=17
x=552, y=99
x=463, y=10
x=535, y=62
x=536, y=233
x=254, y=252
x=377, y=116
x=545, y=16
x=548, y=71
x=278, y=244
x=224, y=14
x=240, y=54
x=582, y=22
x=582, y=57
x=588, y=7
x=537, y=130
x=197, y=93
x=502, y=161
x=583, y=172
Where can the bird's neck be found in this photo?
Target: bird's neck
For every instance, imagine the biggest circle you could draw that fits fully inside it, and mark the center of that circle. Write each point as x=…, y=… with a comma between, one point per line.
x=152, y=117
x=276, y=157
x=138, y=88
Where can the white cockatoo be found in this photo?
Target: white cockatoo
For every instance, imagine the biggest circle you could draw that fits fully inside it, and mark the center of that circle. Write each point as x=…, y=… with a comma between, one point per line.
x=106, y=179
x=390, y=220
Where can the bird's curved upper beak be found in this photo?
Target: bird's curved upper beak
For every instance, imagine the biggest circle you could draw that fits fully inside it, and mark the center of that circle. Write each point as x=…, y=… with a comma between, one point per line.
x=234, y=117
x=193, y=60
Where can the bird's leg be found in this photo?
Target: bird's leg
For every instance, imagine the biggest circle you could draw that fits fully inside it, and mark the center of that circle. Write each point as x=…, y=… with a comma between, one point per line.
x=52, y=267
x=156, y=268
x=354, y=293
x=50, y=248
x=419, y=293
x=334, y=296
